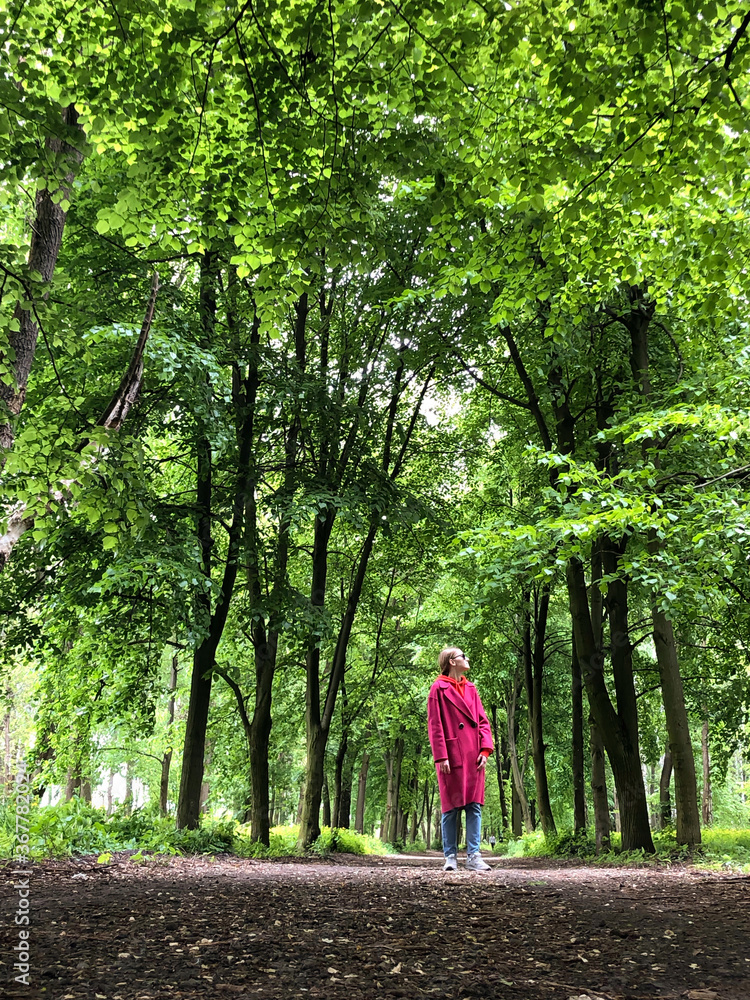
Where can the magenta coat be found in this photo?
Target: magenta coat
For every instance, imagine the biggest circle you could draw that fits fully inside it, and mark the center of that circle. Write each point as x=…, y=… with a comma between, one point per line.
x=459, y=729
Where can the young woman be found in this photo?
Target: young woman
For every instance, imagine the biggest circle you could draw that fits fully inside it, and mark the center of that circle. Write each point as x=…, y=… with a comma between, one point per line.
x=461, y=741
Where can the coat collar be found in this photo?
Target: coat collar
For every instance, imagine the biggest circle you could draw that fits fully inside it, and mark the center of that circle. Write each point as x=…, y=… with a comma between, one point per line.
x=449, y=692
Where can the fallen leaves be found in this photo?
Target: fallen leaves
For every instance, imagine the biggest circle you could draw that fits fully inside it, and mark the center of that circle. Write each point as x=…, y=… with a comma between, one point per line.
x=199, y=931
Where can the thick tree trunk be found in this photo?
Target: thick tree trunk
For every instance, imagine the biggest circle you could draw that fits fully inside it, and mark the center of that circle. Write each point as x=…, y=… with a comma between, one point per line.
x=191, y=780
x=707, y=803
x=359, y=821
x=688, y=827
x=665, y=802
x=46, y=239
x=259, y=738
x=619, y=729
x=314, y=775
x=576, y=689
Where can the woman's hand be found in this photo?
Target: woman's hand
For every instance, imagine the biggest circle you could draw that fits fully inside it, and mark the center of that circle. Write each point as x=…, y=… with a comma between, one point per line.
x=481, y=762
x=443, y=766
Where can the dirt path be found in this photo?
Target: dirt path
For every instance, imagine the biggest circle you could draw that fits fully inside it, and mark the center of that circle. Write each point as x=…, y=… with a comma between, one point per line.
x=371, y=928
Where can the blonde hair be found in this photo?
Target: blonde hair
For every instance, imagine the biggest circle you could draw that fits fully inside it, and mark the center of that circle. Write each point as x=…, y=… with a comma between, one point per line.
x=444, y=658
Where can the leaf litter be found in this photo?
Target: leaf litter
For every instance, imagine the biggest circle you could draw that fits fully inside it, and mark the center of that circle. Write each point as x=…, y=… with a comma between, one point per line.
x=352, y=927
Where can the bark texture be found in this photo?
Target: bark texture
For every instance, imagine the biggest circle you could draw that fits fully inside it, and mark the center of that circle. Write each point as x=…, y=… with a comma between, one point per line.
x=688, y=826
x=61, y=162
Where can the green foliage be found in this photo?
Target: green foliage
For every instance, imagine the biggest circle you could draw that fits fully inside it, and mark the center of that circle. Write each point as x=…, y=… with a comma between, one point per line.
x=720, y=848
x=378, y=176
x=346, y=841
x=73, y=828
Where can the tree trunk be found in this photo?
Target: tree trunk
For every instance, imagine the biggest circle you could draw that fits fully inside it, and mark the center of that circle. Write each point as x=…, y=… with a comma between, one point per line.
x=46, y=239
x=205, y=793
x=619, y=729
x=617, y=813
x=191, y=779
x=338, y=771
x=688, y=825
x=576, y=688
x=533, y=672
x=316, y=731
x=204, y=658
x=326, y=802
x=429, y=836
x=500, y=761
x=516, y=772
x=599, y=796
x=110, y=783
x=345, y=803
x=259, y=738
x=665, y=803
x=359, y=822
x=72, y=783
x=637, y=321
x=394, y=788
x=707, y=804
x=167, y=758
x=314, y=776
x=8, y=758
x=127, y=806
x=516, y=819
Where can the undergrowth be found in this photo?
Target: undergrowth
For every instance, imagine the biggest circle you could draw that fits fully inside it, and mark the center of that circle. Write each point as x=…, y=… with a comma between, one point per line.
x=720, y=848
x=75, y=828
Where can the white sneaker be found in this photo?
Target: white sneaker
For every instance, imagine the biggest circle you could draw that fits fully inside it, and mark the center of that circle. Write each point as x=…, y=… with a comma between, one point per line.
x=450, y=863
x=475, y=864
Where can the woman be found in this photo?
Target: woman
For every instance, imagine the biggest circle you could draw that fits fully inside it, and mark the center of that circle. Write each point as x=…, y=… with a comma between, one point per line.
x=461, y=741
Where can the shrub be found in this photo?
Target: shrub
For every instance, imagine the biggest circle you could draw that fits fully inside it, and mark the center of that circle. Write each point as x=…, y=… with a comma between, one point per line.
x=347, y=842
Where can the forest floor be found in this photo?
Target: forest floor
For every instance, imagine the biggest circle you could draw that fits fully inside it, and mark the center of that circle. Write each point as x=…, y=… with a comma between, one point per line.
x=372, y=927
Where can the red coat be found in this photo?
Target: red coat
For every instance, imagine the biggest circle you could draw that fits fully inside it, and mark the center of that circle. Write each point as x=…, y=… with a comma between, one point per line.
x=459, y=729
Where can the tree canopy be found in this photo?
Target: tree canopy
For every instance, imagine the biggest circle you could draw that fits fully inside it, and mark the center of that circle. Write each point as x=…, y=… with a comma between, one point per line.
x=333, y=334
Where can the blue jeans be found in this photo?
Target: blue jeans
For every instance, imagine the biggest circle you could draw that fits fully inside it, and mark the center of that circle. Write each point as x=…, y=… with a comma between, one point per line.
x=449, y=824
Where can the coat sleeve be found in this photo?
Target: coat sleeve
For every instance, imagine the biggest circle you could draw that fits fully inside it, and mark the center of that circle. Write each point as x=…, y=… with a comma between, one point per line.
x=435, y=728
x=485, y=730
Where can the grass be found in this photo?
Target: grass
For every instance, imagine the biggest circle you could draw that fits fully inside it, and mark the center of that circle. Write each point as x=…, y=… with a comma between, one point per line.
x=720, y=848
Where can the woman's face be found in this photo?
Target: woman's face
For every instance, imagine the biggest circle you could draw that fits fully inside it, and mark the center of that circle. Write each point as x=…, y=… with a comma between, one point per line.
x=460, y=662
